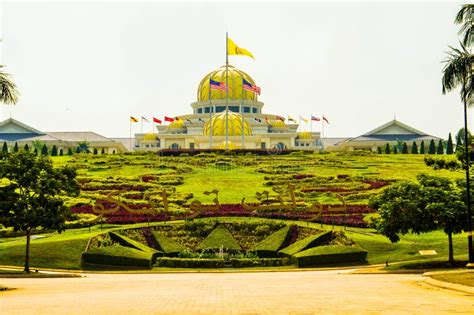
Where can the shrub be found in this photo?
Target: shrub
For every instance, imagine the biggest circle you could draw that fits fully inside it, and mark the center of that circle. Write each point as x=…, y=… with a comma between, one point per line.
x=387, y=148
x=330, y=254
x=306, y=243
x=219, y=263
x=128, y=242
x=220, y=237
x=5, y=147
x=44, y=150
x=166, y=244
x=117, y=255
x=54, y=151
x=61, y=152
x=432, y=148
x=449, y=146
x=422, y=147
x=26, y=147
x=440, y=149
x=15, y=148
x=270, y=246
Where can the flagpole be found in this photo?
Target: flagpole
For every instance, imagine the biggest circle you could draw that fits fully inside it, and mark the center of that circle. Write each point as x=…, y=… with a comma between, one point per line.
x=130, y=135
x=242, y=113
x=141, y=125
x=311, y=124
x=210, y=115
x=322, y=118
x=226, y=92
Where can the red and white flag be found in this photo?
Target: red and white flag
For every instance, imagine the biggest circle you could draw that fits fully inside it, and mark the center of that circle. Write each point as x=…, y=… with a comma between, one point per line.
x=169, y=119
x=156, y=120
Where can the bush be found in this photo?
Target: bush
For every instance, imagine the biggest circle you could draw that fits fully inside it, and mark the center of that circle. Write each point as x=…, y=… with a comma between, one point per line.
x=128, y=242
x=219, y=263
x=270, y=246
x=117, y=255
x=220, y=237
x=306, y=243
x=330, y=254
x=166, y=244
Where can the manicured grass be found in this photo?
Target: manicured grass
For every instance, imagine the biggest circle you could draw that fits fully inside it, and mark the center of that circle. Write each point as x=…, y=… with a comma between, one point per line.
x=220, y=237
x=306, y=243
x=330, y=254
x=457, y=278
x=117, y=255
x=273, y=243
x=166, y=244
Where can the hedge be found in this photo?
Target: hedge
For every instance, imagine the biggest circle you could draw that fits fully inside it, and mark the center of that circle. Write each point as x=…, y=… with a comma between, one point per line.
x=117, y=255
x=308, y=242
x=220, y=237
x=128, y=242
x=270, y=246
x=218, y=263
x=330, y=254
x=166, y=244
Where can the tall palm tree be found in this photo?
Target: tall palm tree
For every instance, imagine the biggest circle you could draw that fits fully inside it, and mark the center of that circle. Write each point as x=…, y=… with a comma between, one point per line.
x=465, y=18
x=458, y=72
x=8, y=91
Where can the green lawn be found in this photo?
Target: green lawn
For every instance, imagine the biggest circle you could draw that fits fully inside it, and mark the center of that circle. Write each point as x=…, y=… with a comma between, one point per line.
x=457, y=278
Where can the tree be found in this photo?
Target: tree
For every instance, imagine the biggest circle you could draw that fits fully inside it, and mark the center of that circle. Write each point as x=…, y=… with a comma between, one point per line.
x=8, y=91
x=35, y=151
x=440, y=147
x=54, y=151
x=103, y=151
x=404, y=148
x=432, y=148
x=32, y=197
x=38, y=145
x=5, y=147
x=387, y=148
x=465, y=17
x=460, y=138
x=61, y=152
x=95, y=151
x=44, y=150
x=422, y=147
x=69, y=151
x=449, y=146
x=379, y=150
x=414, y=148
x=83, y=147
x=395, y=149
x=430, y=204
x=15, y=148
x=26, y=147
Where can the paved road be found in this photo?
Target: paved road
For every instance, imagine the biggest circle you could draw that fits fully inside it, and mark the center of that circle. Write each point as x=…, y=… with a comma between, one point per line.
x=311, y=292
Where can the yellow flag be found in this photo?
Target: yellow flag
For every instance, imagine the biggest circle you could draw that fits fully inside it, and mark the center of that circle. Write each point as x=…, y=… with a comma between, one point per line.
x=133, y=119
x=233, y=49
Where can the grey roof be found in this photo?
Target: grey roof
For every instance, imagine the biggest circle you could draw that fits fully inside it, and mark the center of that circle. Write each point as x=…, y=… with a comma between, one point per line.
x=125, y=142
x=78, y=136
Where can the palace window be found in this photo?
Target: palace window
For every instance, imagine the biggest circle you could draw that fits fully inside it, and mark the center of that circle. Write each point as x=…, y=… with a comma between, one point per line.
x=246, y=109
x=234, y=109
x=220, y=109
x=254, y=110
x=199, y=111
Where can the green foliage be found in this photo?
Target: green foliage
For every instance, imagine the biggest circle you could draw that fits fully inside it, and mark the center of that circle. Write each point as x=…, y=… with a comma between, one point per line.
x=440, y=149
x=395, y=149
x=449, y=146
x=44, y=150
x=306, y=243
x=432, y=148
x=387, y=148
x=117, y=255
x=220, y=237
x=54, y=151
x=32, y=197
x=379, y=150
x=61, y=152
x=330, y=254
x=167, y=245
x=404, y=148
x=69, y=151
x=128, y=242
x=5, y=147
x=441, y=163
x=83, y=147
x=15, y=148
x=8, y=89
x=26, y=147
x=270, y=246
x=422, y=147
x=414, y=148
x=95, y=152
x=218, y=263
x=103, y=151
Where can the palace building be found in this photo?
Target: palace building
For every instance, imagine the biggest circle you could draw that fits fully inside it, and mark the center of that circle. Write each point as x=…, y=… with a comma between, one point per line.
x=227, y=120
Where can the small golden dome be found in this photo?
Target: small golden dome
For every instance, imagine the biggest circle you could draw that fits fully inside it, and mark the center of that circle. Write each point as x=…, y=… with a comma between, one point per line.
x=234, y=81
x=230, y=146
x=234, y=124
x=277, y=123
x=177, y=124
x=305, y=135
x=150, y=137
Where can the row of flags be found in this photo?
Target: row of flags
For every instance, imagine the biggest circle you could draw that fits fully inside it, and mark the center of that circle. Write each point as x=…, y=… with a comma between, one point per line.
x=246, y=85
x=172, y=119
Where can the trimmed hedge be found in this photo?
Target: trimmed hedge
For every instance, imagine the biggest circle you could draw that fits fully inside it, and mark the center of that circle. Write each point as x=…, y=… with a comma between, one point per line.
x=306, y=243
x=128, y=242
x=270, y=246
x=220, y=236
x=330, y=254
x=218, y=263
x=117, y=255
x=166, y=244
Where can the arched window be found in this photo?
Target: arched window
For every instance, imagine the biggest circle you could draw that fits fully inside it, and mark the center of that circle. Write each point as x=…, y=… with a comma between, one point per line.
x=280, y=146
x=174, y=146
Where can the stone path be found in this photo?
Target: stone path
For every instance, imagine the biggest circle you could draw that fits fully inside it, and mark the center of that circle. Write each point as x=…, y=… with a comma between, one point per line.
x=310, y=292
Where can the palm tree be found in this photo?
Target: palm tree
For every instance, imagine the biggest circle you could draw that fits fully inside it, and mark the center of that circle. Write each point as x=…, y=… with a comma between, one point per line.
x=458, y=72
x=8, y=91
x=465, y=18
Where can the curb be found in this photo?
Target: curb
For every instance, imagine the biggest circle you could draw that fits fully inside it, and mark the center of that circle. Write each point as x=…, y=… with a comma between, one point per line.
x=449, y=286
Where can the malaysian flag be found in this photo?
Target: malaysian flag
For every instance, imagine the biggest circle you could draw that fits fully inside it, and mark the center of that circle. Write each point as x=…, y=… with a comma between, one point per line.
x=246, y=85
x=215, y=85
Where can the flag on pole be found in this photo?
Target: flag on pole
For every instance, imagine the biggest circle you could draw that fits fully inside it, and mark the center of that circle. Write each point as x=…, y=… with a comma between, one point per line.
x=233, y=49
x=246, y=85
x=216, y=85
x=169, y=119
x=144, y=119
x=258, y=119
x=315, y=118
x=189, y=121
x=291, y=119
x=201, y=120
x=325, y=119
x=133, y=119
x=156, y=120
x=280, y=118
x=304, y=119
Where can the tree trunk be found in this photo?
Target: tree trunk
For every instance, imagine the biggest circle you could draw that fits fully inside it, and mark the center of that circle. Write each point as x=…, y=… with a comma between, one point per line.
x=451, y=252
x=27, y=254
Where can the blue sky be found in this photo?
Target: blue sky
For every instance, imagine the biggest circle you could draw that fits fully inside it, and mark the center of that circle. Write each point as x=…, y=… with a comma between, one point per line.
x=86, y=66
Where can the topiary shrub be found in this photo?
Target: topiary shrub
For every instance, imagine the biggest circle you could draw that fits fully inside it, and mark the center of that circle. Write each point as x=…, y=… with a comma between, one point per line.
x=220, y=237
x=330, y=254
x=128, y=242
x=219, y=263
x=270, y=246
x=306, y=243
x=117, y=255
x=167, y=245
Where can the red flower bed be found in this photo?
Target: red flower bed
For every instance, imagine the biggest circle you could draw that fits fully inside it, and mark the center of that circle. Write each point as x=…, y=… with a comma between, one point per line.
x=302, y=176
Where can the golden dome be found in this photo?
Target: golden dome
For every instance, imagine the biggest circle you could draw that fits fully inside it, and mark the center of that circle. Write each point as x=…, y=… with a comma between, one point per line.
x=177, y=124
x=305, y=135
x=230, y=145
x=234, y=81
x=277, y=123
x=150, y=137
x=234, y=123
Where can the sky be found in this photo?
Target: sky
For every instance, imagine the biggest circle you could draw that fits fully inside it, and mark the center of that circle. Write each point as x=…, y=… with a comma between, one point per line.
x=89, y=66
